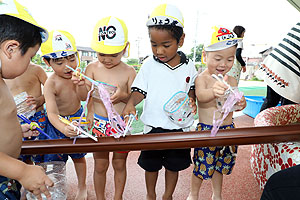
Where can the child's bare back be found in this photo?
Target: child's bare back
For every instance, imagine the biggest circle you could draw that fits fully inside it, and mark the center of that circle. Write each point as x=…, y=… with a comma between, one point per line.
x=30, y=81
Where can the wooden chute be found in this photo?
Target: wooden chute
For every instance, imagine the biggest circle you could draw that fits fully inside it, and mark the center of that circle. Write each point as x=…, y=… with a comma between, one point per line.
x=238, y=136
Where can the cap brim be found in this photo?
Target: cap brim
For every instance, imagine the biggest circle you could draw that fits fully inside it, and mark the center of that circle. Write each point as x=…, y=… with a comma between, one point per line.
x=222, y=45
x=58, y=54
x=107, y=49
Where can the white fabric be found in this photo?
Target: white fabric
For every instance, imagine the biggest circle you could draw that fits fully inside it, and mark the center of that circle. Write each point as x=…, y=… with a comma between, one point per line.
x=114, y=28
x=60, y=41
x=8, y=6
x=240, y=44
x=282, y=66
x=160, y=82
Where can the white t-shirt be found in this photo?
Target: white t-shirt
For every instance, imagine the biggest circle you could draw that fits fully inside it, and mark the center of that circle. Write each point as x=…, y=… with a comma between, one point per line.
x=158, y=82
x=240, y=44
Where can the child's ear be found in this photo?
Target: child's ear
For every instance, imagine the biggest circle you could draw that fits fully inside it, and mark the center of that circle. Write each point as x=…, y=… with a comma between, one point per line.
x=181, y=40
x=47, y=63
x=203, y=57
x=126, y=50
x=9, y=47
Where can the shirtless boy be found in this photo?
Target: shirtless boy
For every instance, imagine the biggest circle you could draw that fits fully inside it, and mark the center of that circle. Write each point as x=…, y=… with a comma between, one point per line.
x=20, y=40
x=214, y=162
x=111, y=70
x=62, y=99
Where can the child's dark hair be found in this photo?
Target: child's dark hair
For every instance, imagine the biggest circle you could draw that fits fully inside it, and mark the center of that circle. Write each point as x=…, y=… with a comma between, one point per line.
x=175, y=31
x=12, y=28
x=238, y=30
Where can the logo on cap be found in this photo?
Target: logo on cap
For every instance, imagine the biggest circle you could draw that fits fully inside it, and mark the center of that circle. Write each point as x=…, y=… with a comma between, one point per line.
x=224, y=34
x=68, y=46
x=107, y=32
x=58, y=38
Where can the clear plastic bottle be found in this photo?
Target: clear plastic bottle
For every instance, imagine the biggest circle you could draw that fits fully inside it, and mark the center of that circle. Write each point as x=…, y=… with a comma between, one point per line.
x=56, y=171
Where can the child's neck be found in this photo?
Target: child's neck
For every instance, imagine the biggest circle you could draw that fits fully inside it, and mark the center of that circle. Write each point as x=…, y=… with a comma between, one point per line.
x=174, y=61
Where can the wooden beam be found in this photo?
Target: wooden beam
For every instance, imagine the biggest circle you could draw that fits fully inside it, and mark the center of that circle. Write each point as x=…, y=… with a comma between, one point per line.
x=238, y=136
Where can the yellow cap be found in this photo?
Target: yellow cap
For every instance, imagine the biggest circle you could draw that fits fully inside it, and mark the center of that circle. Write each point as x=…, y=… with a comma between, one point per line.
x=166, y=14
x=110, y=36
x=13, y=8
x=60, y=44
x=219, y=39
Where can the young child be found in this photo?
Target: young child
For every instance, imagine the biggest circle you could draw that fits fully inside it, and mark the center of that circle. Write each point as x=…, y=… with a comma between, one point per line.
x=20, y=39
x=213, y=162
x=110, y=41
x=62, y=99
x=159, y=78
x=238, y=64
x=31, y=82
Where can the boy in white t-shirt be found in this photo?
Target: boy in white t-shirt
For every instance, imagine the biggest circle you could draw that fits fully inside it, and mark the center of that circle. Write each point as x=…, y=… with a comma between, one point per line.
x=160, y=77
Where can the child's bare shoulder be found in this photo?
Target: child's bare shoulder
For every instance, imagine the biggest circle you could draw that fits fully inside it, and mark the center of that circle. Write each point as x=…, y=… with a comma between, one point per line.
x=50, y=83
x=128, y=68
x=36, y=69
x=91, y=67
x=204, y=76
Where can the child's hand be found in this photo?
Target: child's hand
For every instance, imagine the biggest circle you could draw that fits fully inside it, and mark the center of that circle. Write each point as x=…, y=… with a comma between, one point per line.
x=36, y=181
x=70, y=131
x=120, y=94
x=77, y=79
x=193, y=106
x=27, y=132
x=32, y=101
x=244, y=69
x=90, y=119
x=219, y=89
x=242, y=104
x=129, y=109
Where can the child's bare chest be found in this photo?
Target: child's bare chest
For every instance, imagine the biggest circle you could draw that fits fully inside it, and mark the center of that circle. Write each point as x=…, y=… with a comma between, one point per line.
x=65, y=92
x=113, y=77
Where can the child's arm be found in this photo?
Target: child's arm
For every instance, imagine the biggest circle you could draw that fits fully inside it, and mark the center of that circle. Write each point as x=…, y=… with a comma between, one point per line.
x=27, y=132
x=205, y=94
x=32, y=177
x=242, y=104
x=52, y=111
x=81, y=88
x=193, y=105
x=90, y=114
x=38, y=101
x=125, y=97
x=135, y=98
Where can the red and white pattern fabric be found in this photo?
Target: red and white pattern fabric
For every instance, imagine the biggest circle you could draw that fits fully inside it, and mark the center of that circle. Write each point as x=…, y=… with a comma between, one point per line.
x=266, y=159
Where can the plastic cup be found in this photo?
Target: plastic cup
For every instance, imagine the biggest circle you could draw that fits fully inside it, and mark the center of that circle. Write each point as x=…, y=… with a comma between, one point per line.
x=178, y=109
x=56, y=171
x=22, y=107
x=220, y=101
x=109, y=88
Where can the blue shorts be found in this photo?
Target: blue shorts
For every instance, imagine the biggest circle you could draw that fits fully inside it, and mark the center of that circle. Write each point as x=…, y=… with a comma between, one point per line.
x=207, y=160
x=56, y=134
x=41, y=119
x=10, y=189
x=171, y=159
